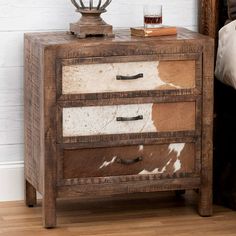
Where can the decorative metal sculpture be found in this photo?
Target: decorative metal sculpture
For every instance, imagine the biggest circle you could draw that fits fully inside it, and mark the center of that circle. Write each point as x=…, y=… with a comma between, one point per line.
x=91, y=22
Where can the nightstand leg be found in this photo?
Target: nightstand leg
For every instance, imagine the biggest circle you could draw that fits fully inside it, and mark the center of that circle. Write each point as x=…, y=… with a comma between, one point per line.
x=205, y=198
x=205, y=201
x=30, y=194
x=49, y=212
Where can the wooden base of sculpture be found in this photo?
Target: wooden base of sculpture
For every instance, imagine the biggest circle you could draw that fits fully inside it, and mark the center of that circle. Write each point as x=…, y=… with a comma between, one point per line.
x=91, y=24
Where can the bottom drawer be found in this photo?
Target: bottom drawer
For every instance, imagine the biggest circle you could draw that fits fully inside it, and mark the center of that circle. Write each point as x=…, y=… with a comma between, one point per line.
x=166, y=159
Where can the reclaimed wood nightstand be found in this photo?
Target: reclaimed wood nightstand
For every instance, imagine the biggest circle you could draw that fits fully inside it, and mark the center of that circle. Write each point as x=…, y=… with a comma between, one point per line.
x=112, y=116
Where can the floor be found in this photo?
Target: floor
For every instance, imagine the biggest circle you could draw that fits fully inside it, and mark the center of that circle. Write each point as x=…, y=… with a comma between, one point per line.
x=134, y=215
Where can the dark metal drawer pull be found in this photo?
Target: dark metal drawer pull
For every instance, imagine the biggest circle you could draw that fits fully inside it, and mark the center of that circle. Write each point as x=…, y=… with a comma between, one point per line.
x=129, y=118
x=122, y=77
x=129, y=162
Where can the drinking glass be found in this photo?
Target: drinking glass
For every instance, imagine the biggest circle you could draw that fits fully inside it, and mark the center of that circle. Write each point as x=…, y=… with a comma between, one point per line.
x=152, y=16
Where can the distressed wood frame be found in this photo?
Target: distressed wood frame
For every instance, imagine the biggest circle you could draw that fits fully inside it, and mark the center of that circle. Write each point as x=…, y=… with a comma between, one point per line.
x=43, y=104
x=209, y=18
x=197, y=57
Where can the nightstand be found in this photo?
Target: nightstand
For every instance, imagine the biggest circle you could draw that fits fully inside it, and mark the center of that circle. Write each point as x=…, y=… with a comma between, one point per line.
x=112, y=116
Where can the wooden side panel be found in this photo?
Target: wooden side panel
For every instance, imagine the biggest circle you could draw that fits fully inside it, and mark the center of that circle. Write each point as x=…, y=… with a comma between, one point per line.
x=99, y=78
x=101, y=120
x=166, y=159
x=33, y=126
x=111, y=186
x=209, y=17
x=205, y=205
x=50, y=132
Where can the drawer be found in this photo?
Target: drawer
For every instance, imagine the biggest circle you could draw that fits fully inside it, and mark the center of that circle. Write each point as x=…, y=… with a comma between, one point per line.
x=125, y=119
x=165, y=159
x=128, y=76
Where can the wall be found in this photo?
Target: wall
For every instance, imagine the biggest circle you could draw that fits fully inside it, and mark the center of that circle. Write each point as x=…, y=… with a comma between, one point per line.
x=17, y=17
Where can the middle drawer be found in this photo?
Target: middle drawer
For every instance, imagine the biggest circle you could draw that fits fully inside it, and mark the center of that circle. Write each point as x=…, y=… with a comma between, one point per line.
x=131, y=118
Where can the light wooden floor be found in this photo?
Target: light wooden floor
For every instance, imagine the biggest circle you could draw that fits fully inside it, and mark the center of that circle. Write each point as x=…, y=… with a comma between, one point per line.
x=145, y=214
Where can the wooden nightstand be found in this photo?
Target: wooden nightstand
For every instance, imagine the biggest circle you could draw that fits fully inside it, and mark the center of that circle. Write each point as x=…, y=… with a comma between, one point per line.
x=111, y=116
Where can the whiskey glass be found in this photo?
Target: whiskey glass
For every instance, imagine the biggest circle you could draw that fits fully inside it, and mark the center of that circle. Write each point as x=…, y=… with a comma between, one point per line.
x=152, y=16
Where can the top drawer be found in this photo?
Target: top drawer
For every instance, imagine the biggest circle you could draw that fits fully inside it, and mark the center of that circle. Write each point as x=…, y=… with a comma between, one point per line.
x=99, y=75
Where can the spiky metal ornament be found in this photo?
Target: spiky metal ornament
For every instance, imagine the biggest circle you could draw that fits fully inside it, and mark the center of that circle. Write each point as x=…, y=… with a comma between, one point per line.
x=91, y=23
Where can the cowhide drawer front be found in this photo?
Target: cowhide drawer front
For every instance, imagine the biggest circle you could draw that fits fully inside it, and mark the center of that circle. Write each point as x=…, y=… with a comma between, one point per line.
x=132, y=118
x=129, y=76
x=166, y=159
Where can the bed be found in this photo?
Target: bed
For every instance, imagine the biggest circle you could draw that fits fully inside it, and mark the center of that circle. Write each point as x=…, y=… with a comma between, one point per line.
x=216, y=15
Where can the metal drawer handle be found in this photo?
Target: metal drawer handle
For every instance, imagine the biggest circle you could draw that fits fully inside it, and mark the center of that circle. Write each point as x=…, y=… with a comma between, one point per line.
x=129, y=162
x=122, y=77
x=129, y=118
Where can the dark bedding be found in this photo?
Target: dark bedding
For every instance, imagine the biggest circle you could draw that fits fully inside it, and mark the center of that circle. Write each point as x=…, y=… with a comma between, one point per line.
x=232, y=9
x=225, y=138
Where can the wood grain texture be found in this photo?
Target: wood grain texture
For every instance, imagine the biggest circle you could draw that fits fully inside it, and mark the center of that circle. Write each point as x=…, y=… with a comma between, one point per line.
x=58, y=49
x=49, y=139
x=30, y=194
x=207, y=130
x=208, y=25
x=208, y=17
x=124, y=215
x=129, y=184
x=33, y=115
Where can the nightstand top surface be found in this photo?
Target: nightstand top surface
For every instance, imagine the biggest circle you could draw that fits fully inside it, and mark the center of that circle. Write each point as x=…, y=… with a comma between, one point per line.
x=121, y=36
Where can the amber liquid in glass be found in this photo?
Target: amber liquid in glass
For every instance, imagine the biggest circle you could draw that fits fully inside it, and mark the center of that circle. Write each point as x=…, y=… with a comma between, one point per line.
x=152, y=20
